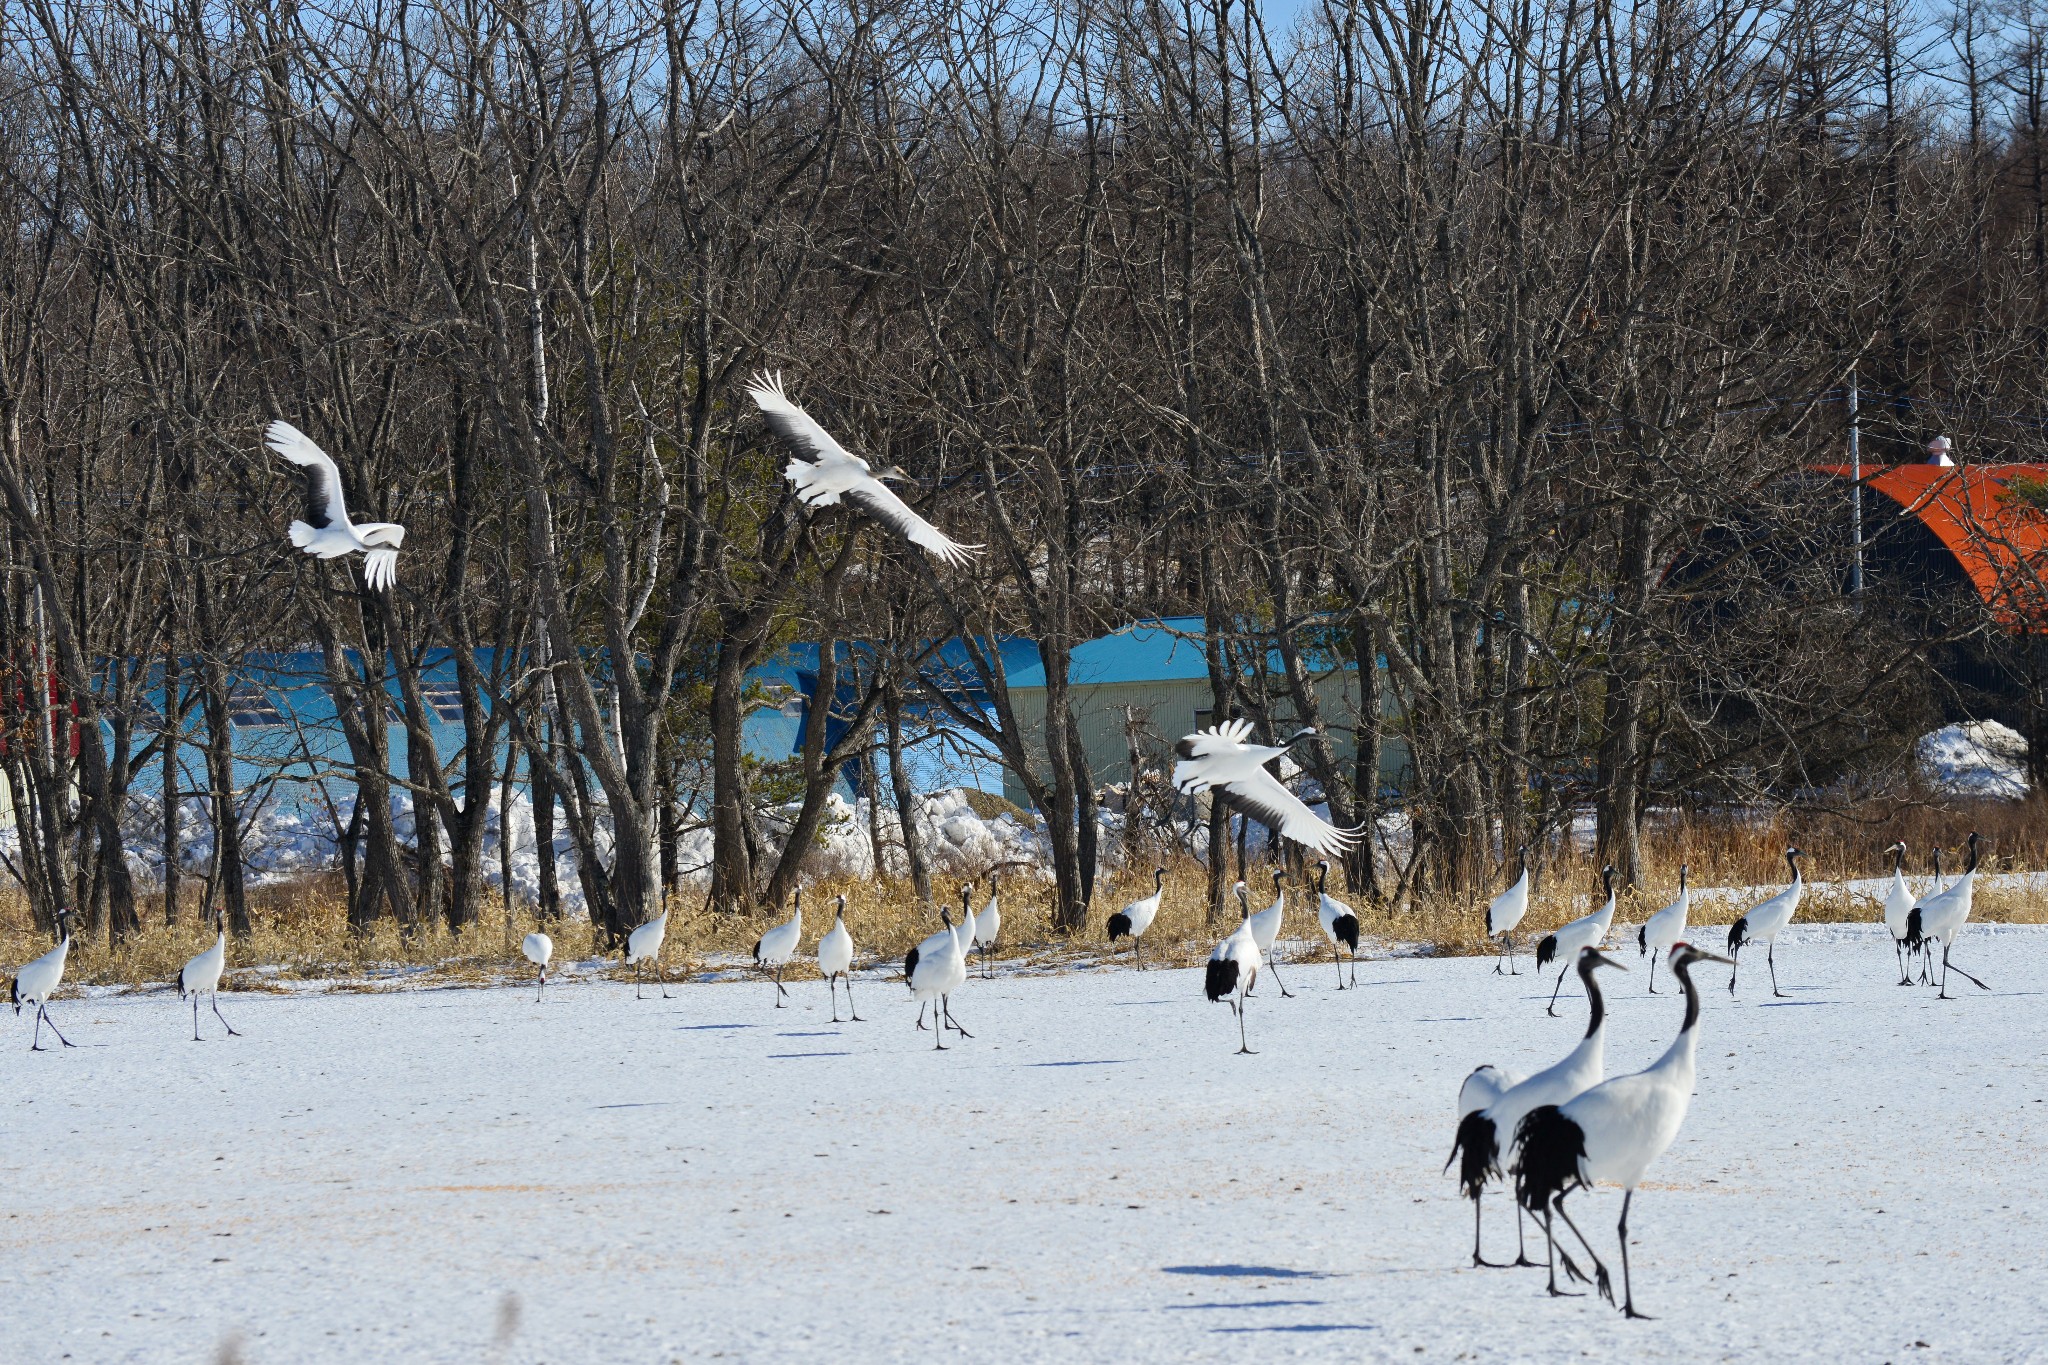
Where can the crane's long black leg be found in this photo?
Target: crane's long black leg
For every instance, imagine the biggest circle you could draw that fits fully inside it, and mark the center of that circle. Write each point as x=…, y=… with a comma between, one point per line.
x=1500, y=951
x=1354, y=968
x=1551, y=1251
x=780, y=991
x=222, y=1017
x=1477, y=1259
x=639, y=968
x=1655, y=953
x=1628, y=1295
x=1899, y=952
x=1273, y=962
x=849, y=999
x=1244, y=1047
x=36, y=1044
x=661, y=975
x=195, y=1016
x=44, y=1011
x=938, y=1028
x=1945, y=964
x=920, y=1018
x=1734, y=966
x=1771, y=958
x=1601, y=1279
x=1512, y=969
x=1521, y=1247
x=832, y=989
x=947, y=1001
x=1338, y=963
x=1552, y=1009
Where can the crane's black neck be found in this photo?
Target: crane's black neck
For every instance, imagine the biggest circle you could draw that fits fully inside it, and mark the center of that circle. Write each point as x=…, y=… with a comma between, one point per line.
x=1971, y=866
x=1683, y=971
x=1158, y=879
x=1588, y=973
x=1322, y=877
x=1898, y=860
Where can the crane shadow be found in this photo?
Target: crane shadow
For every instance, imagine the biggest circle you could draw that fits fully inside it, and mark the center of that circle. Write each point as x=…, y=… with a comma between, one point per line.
x=791, y=1056
x=1250, y=1303
x=1105, y=1061
x=1304, y=1327
x=1245, y=1272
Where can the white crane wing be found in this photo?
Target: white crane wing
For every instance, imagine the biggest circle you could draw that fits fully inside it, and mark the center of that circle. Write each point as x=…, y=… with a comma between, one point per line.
x=324, y=506
x=872, y=496
x=1263, y=798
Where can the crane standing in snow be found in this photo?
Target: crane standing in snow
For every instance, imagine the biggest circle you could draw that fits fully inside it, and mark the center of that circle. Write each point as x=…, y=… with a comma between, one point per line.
x=1265, y=931
x=1134, y=919
x=1940, y=917
x=776, y=947
x=203, y=973
x=1898, y=904
x=1766, y=921
x=34, y=983
x=643, y=945
x=1340, y=925
x=538, y=949
x=1587, y=931
x=1505, y=911
x=934, y=975
x=1233, y=967
x=1663, y=930
x=1612, y=1132
x=835, y=962
x=987, y=925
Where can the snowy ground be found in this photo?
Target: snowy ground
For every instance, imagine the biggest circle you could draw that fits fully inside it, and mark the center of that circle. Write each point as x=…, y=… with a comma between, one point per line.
x=1093, y=1177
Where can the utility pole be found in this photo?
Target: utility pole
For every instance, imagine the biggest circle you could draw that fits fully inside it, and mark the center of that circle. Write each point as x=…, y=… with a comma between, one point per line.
x=1855, y=493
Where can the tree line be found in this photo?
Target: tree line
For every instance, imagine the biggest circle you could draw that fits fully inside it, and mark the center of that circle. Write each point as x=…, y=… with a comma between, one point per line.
x=1484, y=343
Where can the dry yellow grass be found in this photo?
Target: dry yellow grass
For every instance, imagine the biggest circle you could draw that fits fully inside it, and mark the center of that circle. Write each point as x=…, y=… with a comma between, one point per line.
x=301, y=933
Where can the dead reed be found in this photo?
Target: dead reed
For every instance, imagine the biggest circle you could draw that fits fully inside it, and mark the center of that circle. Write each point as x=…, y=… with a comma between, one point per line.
x=300, y=930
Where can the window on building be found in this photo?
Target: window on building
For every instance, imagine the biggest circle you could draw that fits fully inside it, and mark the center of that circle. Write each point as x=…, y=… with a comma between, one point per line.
x=251, y=708
x=444, y=699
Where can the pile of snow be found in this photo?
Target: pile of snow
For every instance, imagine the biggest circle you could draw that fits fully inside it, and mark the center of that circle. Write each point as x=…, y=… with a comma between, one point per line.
x=284, y=838
x=1977, y=758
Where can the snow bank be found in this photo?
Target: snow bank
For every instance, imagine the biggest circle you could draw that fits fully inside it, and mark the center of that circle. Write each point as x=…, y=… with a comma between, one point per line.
x=1976, y=758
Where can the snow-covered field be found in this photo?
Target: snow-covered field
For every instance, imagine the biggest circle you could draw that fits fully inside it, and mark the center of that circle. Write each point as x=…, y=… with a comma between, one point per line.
x=465, y=1175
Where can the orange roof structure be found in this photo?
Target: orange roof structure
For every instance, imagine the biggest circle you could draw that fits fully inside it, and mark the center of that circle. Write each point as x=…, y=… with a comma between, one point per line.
x=1999, y=539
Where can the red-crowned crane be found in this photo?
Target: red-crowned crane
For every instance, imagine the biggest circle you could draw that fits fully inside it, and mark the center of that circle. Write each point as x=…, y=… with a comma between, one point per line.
x=35, y=981
x=987, y=925
x=1612, y=1132
x=1506, y=910
x=327, y=533
x=835, y=962
x=1940, y=917
x=1898, y=905
x=776, y=947
x=538, y=949
x=1666, y=928
x=1340, y=925
x=203, y=973
x=1224, y=757
x=1766, y=921
x=936, y=974
x=1233, y=967
x=1587, y=931
x=1134, y=919
x=824, y=473
x=1265, y=930
x=643, y=945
